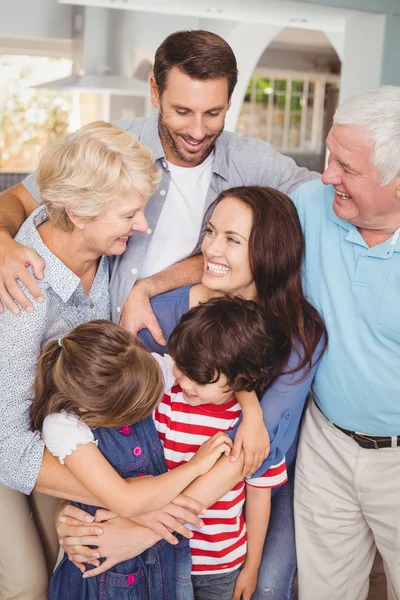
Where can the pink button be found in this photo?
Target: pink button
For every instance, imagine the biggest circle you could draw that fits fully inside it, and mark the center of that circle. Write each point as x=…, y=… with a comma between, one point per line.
x=131, y=579
x=140, y=474
x=137, y=451
x=126, y=430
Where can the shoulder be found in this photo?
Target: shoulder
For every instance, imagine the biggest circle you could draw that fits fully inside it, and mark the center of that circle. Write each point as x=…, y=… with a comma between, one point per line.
x=312, y=192
x=177, y=297
x=63, y=432
x=233, y=143
x=134, y=126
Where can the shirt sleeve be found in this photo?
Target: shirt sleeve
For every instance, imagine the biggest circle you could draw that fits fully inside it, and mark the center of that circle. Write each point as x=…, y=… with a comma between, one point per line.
x=21, y=450
x=166, y=365
x=30, y=185
x=282, y=406
x=274, y=477
x=62, y=433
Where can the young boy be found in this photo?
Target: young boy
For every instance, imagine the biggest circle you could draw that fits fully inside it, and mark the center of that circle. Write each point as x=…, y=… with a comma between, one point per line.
x=218, y=348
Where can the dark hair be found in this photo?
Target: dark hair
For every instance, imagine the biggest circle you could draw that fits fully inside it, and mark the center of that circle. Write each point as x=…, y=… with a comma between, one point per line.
x=199, y=54
x=102, y=374
x=226, y=335
x=276, y=253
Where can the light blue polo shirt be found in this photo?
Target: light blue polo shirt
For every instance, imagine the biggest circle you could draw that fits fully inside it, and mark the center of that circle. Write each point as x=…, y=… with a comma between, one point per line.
x=357, y=291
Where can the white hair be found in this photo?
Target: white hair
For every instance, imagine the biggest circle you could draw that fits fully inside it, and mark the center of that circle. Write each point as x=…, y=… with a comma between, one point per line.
x=377, y=112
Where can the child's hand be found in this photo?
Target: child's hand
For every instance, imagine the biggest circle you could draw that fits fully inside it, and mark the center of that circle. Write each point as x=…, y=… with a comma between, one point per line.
x=251, y=436
x=210, y=451
x=246, y=584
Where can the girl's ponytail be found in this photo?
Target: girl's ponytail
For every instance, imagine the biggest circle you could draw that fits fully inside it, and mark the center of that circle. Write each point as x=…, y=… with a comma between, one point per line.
x=44, y=387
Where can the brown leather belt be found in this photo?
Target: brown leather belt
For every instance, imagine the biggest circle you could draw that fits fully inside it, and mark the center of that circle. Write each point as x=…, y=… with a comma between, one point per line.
x=368, y=442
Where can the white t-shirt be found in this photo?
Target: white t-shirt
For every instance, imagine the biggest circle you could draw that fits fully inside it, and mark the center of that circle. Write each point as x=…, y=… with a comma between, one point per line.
x=178, y=228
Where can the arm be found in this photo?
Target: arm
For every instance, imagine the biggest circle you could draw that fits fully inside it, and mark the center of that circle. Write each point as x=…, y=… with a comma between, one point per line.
x=137, y=313
x=258, y=509
x=282, y=405
x=16, y=204
x=140, y=495
x=252, y=435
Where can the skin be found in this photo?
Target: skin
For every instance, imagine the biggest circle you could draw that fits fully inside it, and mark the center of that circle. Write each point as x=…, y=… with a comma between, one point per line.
x=192, y=116
x=196, y=394
x=374, y=209
x=225, y=250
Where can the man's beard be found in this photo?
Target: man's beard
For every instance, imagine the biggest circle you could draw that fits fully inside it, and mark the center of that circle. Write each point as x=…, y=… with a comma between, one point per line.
x=168, y=139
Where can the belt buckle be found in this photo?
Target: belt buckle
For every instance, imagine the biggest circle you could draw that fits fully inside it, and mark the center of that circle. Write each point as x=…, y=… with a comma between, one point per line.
x=365, y=438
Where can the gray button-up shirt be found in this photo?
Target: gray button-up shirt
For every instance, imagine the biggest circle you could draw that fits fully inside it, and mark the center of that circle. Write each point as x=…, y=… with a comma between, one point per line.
x=238, y=161
x=22, y=339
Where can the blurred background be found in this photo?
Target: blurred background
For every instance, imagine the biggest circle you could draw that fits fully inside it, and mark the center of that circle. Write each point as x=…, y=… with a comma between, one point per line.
x=64, y=63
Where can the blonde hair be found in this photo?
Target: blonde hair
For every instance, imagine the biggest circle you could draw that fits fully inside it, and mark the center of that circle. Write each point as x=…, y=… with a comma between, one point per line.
x=98, y=372
x=91, y=167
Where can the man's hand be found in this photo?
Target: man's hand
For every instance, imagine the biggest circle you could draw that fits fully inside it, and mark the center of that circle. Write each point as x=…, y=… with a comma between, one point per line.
x=14, y=259
x=137, y=313
x=173, y=517
x=115, y=538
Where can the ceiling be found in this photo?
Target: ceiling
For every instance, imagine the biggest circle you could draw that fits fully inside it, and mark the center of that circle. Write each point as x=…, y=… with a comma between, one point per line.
x=288, y=13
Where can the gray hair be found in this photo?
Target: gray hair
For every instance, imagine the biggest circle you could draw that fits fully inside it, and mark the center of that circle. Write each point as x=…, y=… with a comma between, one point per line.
x=377, y=112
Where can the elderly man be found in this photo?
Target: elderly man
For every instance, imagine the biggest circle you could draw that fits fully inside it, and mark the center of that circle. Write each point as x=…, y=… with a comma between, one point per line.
x=347, y=486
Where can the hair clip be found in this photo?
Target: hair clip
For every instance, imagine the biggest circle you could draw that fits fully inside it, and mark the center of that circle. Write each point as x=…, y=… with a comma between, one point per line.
x=60, y=342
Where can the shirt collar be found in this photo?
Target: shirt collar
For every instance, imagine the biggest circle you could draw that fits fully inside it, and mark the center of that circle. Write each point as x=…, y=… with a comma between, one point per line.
x=56, y=274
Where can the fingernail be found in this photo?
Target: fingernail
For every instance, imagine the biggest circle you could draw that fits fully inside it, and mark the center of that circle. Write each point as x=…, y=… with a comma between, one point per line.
x=84, y=575
x=40, y=299
x=15, y=311
x=96, y=555
x=98, y=531
x=89, y=518
x=61, y=542
x=201, y=524
x=63, y=519
x=29, y=309
x=190, y=534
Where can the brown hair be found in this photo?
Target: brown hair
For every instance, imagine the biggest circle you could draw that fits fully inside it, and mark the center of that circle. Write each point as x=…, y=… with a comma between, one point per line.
x=101, y=373
x=226, y=335
x=199, y=54
x=276, y=253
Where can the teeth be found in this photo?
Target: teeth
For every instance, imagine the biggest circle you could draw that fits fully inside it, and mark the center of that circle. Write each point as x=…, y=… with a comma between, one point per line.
x=342, y=195
x=217, y=268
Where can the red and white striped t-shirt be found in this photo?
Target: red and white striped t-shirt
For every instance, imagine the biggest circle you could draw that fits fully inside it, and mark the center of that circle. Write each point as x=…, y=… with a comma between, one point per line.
x=219, y=546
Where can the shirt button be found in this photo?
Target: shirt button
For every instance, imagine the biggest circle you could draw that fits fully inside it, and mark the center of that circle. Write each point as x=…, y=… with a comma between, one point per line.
x=126, y=430
x=164, y=164
x=134, y=271
x=92, y=306
x=131, y=579
x=148, y=231
x=162, y=192
x=137, y=451
x=118, y=309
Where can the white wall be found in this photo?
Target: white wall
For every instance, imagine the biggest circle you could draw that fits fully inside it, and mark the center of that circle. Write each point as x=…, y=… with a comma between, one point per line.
x=35, y=18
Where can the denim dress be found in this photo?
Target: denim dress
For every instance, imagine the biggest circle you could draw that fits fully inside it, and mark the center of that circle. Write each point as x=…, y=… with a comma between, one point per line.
x=160, y=573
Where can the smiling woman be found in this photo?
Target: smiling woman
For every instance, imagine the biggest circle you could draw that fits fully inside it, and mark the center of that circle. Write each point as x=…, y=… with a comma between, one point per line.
x=94, y=186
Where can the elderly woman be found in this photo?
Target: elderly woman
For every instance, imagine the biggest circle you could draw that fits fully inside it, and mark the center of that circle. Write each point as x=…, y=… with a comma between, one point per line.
x=94, y=186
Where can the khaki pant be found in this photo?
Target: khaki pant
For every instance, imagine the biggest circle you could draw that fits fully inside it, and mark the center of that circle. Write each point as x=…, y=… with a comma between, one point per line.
x=28, y=544
x=347, y=503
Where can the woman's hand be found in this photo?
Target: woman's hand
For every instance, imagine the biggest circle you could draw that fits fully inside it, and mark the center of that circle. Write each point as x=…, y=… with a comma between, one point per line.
x=115, y=538
x=173, y=517
x=252, y=436
x=210, y=451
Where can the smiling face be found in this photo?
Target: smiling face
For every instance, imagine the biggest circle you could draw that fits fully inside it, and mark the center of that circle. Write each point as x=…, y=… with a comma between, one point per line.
x=196, y=394
x=359, y=197
x=192, y=116
x=108, y=233
x=226, y=250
